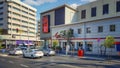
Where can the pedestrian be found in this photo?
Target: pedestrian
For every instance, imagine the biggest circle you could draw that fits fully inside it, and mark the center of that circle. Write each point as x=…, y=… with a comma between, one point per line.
x=3, y=50
x=67, y=49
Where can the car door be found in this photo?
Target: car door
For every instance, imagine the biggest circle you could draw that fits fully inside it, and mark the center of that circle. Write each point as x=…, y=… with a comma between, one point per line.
x=30, y=52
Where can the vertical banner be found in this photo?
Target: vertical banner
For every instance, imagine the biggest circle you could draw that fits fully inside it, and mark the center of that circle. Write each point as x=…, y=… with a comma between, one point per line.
x=46, y=24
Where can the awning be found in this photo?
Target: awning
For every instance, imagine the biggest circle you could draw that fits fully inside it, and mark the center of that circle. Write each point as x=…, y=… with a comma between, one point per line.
x=117, y=43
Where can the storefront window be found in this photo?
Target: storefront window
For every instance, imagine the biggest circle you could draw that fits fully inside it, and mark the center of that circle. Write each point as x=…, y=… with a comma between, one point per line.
x=89, y=46
x=80, y=45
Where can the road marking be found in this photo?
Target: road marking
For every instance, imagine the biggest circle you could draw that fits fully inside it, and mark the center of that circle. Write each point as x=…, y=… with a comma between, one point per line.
x=4, y=55
x=70, y=66
x=11, y=62
x=24, y=65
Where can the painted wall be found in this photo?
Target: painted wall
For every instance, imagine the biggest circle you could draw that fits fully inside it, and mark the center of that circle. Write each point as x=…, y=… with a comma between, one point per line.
x=93, y=36
x=99, y=5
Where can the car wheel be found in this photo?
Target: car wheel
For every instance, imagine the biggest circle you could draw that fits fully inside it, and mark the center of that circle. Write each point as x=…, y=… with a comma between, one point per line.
x=40, y=56
x=32, y=56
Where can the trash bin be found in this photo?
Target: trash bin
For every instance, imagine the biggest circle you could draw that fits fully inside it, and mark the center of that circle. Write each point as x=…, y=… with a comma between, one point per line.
x=80, y=53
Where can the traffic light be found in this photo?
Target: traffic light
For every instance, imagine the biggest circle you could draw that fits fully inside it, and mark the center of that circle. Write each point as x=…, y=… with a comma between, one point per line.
x=17, y=30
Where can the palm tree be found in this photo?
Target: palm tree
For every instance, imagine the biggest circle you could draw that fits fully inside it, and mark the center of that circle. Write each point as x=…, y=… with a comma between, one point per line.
x=67, y=34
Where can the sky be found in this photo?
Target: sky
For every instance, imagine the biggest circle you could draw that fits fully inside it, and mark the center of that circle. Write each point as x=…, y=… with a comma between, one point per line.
x=44, y=5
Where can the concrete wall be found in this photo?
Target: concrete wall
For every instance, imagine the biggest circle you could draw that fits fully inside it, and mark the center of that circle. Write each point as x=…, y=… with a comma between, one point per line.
x=70, y=15
x=52, y=21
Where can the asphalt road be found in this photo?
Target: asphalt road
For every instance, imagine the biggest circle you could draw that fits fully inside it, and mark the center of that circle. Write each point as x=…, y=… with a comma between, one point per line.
x=55, y=62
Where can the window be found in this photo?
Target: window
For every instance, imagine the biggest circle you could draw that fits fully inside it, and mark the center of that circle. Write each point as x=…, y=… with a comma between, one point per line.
x=1, y=24
x=105, y=9
x=79, y=31
x=72, y=31
x=1, y=19
x=1, y=13
x=79, y=45
x=93, y=12
x=1, y=8
x=100, y=28
x=83, y=14
x=112, y=28
x=16, y=8
x=1, y=2
x=118, y=6
x=89, y=46
x=88, y=30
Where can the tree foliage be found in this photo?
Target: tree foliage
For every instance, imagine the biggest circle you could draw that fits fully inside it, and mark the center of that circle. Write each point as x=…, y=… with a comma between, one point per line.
x=55, y=44
x=67, y=34
x=109, y=41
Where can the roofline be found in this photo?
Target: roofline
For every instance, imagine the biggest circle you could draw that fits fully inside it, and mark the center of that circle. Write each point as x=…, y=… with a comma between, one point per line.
x=65, y=5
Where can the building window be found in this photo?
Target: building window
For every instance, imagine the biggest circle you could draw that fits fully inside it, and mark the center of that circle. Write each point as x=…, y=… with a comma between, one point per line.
x=100, y=28
x=112, y=28
x=1, y=19
x=1, y=13
x=118, y=6
x=83, y=14
x=79, y=31
x=105, y=9
x=88, y=30
x=1, y=8
x=93, y=12
x=1, y=24
x=1, y=2
x=89, y=46
x=79, y=45
x=72, y=31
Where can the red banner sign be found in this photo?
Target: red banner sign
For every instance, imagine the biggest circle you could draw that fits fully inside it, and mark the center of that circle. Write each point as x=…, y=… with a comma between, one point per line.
x=45, y=24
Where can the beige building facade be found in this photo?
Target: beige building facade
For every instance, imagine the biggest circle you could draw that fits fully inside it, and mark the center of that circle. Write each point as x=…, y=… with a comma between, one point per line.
x=17, y=22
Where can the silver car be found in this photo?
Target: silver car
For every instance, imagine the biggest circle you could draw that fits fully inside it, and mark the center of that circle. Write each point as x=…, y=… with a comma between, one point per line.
x=15, y=51
x=32, y=53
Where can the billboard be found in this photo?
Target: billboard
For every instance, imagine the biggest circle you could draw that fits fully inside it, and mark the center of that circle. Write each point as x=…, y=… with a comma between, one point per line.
x=46, y=24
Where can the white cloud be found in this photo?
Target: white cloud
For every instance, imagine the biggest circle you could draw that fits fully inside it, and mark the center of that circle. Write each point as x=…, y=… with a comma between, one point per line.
x=74, y=5
x=38, y=2
x=87, y=0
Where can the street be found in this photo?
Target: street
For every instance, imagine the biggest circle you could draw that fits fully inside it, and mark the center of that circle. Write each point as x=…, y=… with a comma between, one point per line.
x=55, y=62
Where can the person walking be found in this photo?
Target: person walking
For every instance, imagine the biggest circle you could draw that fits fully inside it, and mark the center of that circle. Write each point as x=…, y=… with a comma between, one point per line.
x=67, y=49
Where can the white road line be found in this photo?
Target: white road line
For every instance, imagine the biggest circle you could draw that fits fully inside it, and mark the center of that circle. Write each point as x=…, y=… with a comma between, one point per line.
x=4, y=55
x=24, y=65
x=70, y=66
x=11, y=62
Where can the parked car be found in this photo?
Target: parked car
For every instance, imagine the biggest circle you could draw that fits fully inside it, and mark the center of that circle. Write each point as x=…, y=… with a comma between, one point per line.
x=15, y=51
x=48, y=52
x=32, y=53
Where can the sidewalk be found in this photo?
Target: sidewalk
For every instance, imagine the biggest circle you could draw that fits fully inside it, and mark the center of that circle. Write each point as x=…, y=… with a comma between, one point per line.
x=3, y=54
x=93, y=57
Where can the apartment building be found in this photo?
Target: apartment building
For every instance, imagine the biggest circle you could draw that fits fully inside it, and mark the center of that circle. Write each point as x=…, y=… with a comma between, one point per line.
x=17, y=22
x=90, y=24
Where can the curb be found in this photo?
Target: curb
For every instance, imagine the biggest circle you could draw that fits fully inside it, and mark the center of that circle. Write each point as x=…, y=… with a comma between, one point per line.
x=84, y=57
x=4, y=55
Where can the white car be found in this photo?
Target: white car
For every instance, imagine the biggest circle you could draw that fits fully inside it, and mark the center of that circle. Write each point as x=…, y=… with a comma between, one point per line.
x=15, y=51
x=33, y=53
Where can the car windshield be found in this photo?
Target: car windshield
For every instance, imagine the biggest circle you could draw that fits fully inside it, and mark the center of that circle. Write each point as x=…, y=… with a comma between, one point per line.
x=17, y=49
